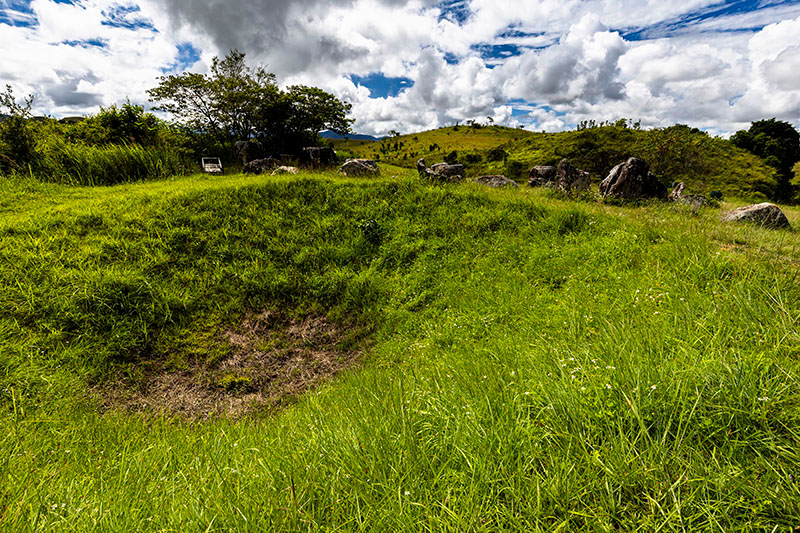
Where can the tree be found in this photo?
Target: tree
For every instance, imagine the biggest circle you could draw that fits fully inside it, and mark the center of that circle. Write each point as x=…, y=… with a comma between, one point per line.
x=17, y=138
x=778, y=144
x=234, y=102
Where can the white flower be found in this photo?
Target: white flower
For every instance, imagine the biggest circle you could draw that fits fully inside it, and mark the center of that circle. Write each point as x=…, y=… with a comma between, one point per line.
x=652, y=387
x=608, y=385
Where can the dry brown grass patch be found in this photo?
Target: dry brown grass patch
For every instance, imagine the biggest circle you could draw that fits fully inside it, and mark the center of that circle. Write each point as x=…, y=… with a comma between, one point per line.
x=272, y=361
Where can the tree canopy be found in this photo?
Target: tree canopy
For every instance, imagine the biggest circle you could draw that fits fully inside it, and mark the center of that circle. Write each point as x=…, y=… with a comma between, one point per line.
x=235, y=102
x=778, y=144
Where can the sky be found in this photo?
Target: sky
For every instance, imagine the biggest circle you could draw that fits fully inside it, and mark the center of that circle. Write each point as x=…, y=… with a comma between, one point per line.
x=413, y=65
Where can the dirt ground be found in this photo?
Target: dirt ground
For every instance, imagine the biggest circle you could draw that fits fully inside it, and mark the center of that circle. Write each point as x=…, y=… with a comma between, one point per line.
x=272, y=361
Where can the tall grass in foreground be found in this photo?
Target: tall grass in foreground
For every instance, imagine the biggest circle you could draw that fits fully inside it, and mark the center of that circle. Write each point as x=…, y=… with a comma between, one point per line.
x=79, y=164
x=534, y=365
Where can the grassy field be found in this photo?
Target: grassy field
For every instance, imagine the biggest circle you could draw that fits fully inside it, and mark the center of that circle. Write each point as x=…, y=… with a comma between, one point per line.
x=433, y=145
x=675, y=154
x=522, y=362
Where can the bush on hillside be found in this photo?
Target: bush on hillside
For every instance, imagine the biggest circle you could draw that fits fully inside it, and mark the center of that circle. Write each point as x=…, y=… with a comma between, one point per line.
x=117, y=145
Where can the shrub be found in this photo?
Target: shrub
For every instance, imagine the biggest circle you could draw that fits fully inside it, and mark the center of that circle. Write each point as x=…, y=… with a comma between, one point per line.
x=514, y=169
x=496, y=154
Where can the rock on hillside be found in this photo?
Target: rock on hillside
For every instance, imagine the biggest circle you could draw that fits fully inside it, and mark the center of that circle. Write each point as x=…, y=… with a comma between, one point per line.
x=496, y=181
x=765, y=214
x=441, y=172
x=450, y=171
x=569, y=178
x=284, y=170
x=260, y=166
x=632, y=180
x=360, y=167
x=541, y=176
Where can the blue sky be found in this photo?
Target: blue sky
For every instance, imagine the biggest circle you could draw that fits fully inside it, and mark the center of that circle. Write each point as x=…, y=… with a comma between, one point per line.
x=417, y=64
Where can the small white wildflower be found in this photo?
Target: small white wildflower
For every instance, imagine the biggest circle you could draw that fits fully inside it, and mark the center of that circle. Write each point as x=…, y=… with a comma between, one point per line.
x=608, y=385
x=763, y=399
x=652, y=387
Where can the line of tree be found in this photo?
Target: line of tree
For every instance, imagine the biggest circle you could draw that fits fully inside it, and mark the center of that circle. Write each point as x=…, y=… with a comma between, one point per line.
x=778, y=144
x=235, y=102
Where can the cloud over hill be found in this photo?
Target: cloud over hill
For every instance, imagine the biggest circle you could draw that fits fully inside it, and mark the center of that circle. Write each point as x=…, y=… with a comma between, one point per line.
x=417, y=64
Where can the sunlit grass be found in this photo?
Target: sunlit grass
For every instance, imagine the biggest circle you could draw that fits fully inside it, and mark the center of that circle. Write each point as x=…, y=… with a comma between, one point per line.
x=534, y=363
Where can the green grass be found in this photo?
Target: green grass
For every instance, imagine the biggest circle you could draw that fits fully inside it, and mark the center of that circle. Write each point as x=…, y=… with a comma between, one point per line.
x=463, y=139
x=533, y=364
x=675, y=154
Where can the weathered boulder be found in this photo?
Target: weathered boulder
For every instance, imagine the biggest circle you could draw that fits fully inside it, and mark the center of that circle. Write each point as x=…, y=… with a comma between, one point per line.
x=360, y=167
x=284, y=170
x=541, y=176
x=496, y=181
x=694, y=200
x=632, y=180
x=765, y=214
x=569, y=178
x=449, y=171
x=260, y=166
x=441, y=172
x=246, y=151
x=318, y=156
x=422, y=168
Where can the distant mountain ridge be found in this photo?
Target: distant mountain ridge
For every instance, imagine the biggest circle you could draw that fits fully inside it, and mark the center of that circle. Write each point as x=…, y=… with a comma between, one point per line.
x=328, y=134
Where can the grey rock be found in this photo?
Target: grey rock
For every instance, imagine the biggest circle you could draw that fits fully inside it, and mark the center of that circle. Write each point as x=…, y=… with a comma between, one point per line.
x=765, y=214
x=284, y=170
x=318, y=156
x=449, y=171
x=260, y=166
x=632, y=180
x=246, y=151
x=541, y=176
x=360, y=167
x=569, y=178
x=696, y=201
x=441, y=172
x=496, y=180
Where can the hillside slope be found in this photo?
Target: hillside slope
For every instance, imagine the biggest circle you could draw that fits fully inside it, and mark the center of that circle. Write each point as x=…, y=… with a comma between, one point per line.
x=675, y=154
x=434, y=145
x=526, y=363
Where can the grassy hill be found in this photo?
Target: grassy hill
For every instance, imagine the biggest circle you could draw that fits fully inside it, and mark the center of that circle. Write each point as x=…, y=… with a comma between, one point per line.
x=401, y=357
x=675, y=154
x=433, y=145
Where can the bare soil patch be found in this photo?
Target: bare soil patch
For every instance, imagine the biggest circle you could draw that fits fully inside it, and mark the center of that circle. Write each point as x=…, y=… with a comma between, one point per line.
x=272, y=361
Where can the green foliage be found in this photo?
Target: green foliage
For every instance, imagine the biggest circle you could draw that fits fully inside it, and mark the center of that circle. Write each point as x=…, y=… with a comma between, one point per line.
x=452, y=157
x=676, y=153
x=235, y=102
x=117, y=145
x=79, y=164
x=778, y=144
x=17, y=136
x=128, y=124
x=533, y=364
x=496, y=154
x=514, y=169
x=235, y=383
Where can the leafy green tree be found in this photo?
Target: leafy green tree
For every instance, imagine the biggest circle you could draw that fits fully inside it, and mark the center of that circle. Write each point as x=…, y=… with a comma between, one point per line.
x=127, y=124
x=17, y=135
x=778, y=144
x=234, y=102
